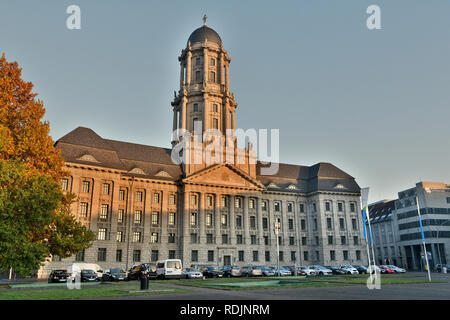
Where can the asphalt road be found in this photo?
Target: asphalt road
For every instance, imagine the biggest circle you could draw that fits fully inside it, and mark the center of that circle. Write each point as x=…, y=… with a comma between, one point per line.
x=423, y=291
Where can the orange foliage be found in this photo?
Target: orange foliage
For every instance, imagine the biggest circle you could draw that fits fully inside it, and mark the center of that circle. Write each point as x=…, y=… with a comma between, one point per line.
x=23, y=134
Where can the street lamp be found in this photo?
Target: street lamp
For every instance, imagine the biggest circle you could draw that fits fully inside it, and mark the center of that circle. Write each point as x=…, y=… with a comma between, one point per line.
x=276, y=230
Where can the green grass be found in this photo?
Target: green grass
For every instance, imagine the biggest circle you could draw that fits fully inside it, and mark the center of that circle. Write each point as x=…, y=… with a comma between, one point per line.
x=101, y=290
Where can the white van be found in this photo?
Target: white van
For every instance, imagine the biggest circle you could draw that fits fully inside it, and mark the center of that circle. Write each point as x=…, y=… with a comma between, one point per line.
x=169, y=269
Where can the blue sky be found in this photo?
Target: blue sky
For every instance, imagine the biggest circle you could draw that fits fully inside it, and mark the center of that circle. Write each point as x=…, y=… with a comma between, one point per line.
x=373, y=102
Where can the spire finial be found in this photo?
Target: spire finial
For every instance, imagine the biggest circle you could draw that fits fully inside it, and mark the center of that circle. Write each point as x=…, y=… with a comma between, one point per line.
x=204, y=19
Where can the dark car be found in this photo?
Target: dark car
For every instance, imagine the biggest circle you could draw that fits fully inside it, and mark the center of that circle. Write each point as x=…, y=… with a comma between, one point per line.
x=335, y=270
x=361, y=269
x=439, y=267
x=88, y=276
x=114, y=275
x=137, y=271
x=231, y=271
x=58, y=276
x=212, y=272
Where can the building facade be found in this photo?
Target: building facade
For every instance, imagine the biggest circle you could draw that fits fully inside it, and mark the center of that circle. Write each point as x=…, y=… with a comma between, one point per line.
x=396, y=227
x=144, y=207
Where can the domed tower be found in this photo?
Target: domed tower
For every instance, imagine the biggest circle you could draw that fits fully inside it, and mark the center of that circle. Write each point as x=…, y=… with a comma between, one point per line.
x=204, y=102
x=204, y=97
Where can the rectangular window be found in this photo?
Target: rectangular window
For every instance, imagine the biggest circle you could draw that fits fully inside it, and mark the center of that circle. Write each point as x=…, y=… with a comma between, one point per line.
x=340, y=206
x=137, y=216
x=210, y=255
x=343, y=240
x=105, y=188
x=120, y=216
x=197, y=61
x=291, y=224
x=85, y=187
x=341, y=223
x=104, y=211
x=224, y=202
x=305, y=255
x=122, y=194
x=358, y=255
x=101, y=254
x=155, y=197
x=252, y=222
x=253, y=239
x=281, y=256
x=213, y=62
x=265, y=223
x=155, y=255
x=172, y=199
x=251, y=203
x=277, y=206
x=171, y=254
x=315, y=224
x=267, y=256
x=194, y=200
x=327, y=206
x=79, y=256
x=171, y=238
x=154, y=237
x=209, y=219
x=65, y=184
x=289, y=207
x=303, y=224
x=291, y=241
x=224, y=239
x=193, y=219
x=304, y=241
x=241, y=255
x=239, y=239
x=330, y=239
x=255, y=256
x=56, y=258
x=209, y=238
x=238, y=202
x=238, y=221
x=224, y=220
x=352, y=207
x=355, y=240
x=138, y=196
x=264, y=206
x=194, y=255
x=293, y=256
x=198, y=77
x=448, y=199
x=215, y=108
x=212, y=76
x=266, y=240
x=119, y=237
x=302, y=208
x=329, y=225
x=136, y=237
x=345, y=252
x=332, y=255
x=101, y=234
x=317, y=240
x=136, y=255
x=194, y=238
x=84, y=209
x=119, y=255
x=171, y=218
x=155, y=218
x=314, y=209
x=354, y=224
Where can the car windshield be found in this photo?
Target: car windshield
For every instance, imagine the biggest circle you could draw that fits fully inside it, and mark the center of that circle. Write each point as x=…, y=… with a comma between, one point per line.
x=117, y=271
x=174, y=264
x=235, y=267
x=193, y=270
x=60, y=271
x=88, y=271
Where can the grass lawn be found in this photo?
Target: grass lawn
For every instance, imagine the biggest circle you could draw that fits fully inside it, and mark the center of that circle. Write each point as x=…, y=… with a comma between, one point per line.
x=101, y=290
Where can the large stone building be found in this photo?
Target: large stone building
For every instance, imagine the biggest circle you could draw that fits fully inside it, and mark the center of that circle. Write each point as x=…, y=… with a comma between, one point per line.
x=396, y=229
x=144, y=207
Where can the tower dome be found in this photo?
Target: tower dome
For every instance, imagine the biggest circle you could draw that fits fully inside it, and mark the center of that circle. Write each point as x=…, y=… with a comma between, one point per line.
x=203, y=33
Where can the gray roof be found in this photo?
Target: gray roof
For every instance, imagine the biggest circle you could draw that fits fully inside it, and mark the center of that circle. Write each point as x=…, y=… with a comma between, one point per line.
x=82, y=142
x=204, y=32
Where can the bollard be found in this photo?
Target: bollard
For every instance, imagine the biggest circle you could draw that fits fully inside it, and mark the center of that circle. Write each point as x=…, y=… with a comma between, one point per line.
x=144, y=283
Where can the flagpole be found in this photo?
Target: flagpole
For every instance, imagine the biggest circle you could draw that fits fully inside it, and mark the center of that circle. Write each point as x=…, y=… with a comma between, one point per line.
x=423, y=238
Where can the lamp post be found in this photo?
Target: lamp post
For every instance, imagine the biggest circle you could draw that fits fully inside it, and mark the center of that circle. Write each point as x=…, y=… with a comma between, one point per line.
x=277, y=231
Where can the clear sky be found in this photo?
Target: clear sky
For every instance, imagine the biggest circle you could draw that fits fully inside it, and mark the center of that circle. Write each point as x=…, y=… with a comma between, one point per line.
x=373, y=102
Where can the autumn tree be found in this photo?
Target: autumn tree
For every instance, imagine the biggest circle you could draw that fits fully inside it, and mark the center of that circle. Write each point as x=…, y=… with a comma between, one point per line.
x=35, y=216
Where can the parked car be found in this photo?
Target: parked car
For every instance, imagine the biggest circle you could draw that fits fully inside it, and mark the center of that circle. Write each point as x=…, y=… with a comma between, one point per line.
x=114, y=275
x=308, y=271
x=349, y=269
x=88, y=276
x=251, y=272
x=283, y=271
x=291, y=269
x=335, y=270
x=361, y=269
x=300, y=272
x=138, y=270
x=386, y=269
x=321, y=271
x=440, y=266
x=75, y=268
x=267, y=272
x=212, y=272
x=201, y=267
x=169, y=269
x=192, y=273
x=397, y=269
x=58, y=276
x=231, y=271
x=375, y=268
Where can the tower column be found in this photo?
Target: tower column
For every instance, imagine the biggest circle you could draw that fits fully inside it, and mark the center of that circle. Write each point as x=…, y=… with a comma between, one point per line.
x=183, y=114
x=233, y=121
x=205, y=66
x=188, y=67
x=181, y=74
x=174, y=125
x=227, y=82
x=221, y=73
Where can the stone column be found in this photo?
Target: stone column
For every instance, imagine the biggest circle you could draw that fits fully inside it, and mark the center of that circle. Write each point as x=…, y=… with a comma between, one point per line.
x=227, y=116
x=221, y=73
x=259, y=222
x=227, y=80
x=217, y=214
x=232, y=218
x=233, y=119
x=202, y=220
x=181, y=74
x=183, y=114
x=246, y=222
x=188, y=67
x=174, y=126
x=185, y=237
x=205, y=66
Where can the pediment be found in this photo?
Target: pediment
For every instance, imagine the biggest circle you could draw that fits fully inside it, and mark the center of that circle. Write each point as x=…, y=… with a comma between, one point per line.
x=137, y=170
x=223, y=175
x=88, y=157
